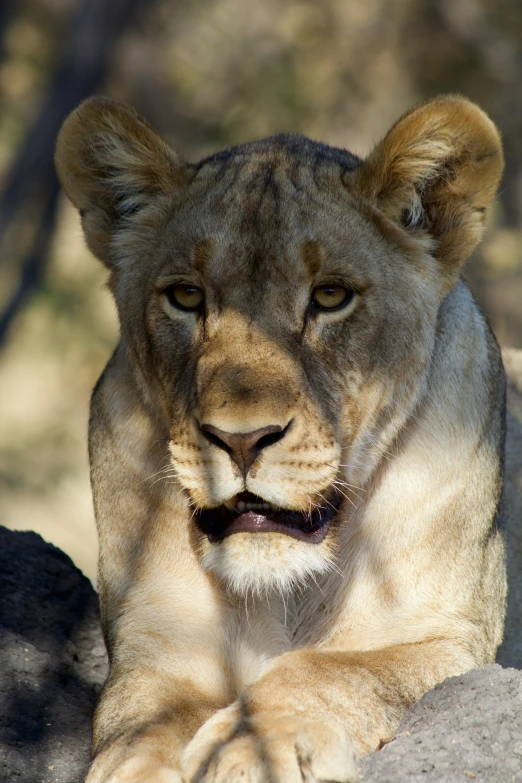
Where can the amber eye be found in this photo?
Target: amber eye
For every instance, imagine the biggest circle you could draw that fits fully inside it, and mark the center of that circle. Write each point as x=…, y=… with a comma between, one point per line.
x=184, y=297
x=331, y=297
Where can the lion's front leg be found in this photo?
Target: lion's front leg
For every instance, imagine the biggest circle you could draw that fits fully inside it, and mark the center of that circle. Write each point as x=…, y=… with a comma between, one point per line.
x=314, y=713
x=142, y=724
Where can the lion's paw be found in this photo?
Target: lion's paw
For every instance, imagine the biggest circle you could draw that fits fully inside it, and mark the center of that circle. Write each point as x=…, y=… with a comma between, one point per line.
x=282, y=749
x=137, y=770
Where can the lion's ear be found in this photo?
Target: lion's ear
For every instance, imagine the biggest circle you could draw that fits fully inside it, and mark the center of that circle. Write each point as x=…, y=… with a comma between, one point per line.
x=111, y=163
x=435, y=173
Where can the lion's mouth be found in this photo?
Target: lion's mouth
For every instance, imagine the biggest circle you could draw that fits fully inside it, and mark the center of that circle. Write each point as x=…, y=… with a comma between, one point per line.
x=247, y=513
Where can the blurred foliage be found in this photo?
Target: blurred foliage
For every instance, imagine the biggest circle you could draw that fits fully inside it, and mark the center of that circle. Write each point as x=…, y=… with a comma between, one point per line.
x=208, y=74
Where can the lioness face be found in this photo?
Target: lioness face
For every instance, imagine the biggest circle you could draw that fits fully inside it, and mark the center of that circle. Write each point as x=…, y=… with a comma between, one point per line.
x=288, y=294
x=285, y=365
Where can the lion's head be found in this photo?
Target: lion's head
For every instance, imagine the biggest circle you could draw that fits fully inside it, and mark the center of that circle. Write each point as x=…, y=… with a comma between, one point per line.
x=279, y=303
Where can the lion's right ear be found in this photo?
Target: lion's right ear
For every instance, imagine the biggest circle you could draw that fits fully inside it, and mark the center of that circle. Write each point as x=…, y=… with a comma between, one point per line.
x=434, y=174
x=111, y=163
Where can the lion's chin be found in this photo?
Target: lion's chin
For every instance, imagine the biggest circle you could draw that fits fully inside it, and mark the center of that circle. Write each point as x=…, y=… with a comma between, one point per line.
x=249, y=563
x=260, y=564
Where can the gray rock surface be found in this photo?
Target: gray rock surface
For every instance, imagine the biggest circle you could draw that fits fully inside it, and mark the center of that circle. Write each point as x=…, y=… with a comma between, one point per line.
x=468, y=728
x=53, y=663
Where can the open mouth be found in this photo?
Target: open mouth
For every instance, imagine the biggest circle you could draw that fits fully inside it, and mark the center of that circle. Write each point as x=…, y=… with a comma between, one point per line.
x=247, y=513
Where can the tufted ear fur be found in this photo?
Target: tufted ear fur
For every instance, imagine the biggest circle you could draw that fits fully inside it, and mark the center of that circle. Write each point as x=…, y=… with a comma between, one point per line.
x=111, y=163
x=435, y=173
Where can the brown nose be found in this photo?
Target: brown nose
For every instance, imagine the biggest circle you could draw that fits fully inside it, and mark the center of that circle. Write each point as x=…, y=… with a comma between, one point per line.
x=244, y=447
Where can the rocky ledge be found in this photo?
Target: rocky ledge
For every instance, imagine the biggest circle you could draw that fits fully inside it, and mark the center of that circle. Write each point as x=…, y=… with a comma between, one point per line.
x=53, y=664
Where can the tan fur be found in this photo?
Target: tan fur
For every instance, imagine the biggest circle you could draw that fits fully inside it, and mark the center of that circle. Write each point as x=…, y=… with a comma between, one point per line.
x=261, y=657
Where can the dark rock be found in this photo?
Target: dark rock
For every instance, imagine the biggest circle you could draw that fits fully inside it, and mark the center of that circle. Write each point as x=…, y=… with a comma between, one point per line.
x=53, y=662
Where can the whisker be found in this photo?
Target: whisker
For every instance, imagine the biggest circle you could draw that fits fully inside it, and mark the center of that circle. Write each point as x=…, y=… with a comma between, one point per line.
x=339, y=484
x=347, y=498
x=246, y=608
x=161, y=470
x=335, y=567
x=345, y=483
x=326, y=501
x=282, y=594
x=316, y=583
x=164, y=478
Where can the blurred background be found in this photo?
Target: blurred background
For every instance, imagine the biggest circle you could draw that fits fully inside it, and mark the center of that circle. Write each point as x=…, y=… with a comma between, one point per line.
x=207, y=74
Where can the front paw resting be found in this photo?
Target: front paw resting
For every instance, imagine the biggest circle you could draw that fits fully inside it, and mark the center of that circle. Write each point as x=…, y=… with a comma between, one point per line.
x=136, y=770
x=230, y=748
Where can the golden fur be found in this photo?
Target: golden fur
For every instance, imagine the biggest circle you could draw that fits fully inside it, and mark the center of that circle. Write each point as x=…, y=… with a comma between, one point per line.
x=260, y=656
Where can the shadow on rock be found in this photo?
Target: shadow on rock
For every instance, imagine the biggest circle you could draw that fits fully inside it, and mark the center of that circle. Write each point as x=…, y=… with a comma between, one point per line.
x=53, y=662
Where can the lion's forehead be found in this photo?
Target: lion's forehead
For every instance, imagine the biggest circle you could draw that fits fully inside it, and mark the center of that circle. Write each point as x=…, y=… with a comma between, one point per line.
x=269, y=216
x=262, y=224
x=272, y=184
x=292, y=151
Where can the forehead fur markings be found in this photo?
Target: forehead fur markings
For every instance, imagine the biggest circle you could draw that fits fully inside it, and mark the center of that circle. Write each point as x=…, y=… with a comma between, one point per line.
x=201, y=255
x=312, y=255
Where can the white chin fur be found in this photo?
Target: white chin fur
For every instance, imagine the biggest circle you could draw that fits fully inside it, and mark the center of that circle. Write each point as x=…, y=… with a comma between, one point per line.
x=262, y=562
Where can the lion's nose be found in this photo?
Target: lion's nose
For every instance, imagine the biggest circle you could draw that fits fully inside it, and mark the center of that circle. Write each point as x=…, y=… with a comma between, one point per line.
x=244, y=447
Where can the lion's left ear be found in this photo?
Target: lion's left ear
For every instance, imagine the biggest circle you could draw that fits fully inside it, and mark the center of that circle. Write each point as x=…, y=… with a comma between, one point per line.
x=111, y=163
x=435, y=173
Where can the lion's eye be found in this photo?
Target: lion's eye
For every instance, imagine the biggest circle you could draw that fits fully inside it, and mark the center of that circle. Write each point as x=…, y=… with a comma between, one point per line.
x=331, y=297
x=184, y=297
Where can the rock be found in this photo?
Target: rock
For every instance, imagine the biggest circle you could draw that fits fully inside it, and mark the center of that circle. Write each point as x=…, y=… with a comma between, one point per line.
x=468, y=728
x=53, y=664
x=510, y=654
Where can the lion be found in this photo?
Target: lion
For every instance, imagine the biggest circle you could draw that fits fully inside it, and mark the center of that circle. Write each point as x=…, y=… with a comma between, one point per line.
x=297, y=447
